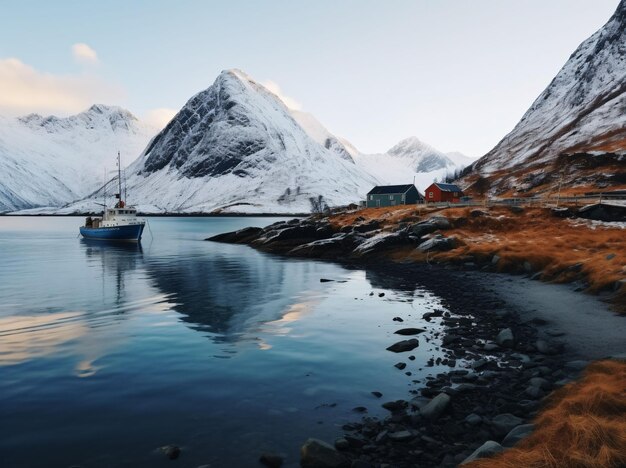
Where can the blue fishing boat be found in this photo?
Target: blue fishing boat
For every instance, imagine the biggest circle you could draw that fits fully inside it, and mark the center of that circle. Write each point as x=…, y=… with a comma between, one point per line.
x=119, y=223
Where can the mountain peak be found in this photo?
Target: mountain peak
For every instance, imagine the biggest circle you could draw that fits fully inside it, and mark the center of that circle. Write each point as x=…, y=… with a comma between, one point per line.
x=408, y=146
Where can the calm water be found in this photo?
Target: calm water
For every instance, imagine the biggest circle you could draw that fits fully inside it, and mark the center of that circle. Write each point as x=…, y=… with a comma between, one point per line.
x=109, y=352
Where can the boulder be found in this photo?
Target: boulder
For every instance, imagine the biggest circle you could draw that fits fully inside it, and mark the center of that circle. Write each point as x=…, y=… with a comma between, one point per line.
x=504, y=423
x=404, y=345
x=603, y=212
x=241, y=236
x=401, y=436
x=487, y=449
x=271, y=460
x=505, y=338
x=516, y=434
x=473, y=419
x=409, y=331
x=170, y=451
x=318, y=454
x=439, y=243
x=380, y=242
x=436, y=406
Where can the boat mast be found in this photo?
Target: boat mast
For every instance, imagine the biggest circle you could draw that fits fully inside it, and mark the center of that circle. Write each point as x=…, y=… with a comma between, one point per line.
x=119, y=178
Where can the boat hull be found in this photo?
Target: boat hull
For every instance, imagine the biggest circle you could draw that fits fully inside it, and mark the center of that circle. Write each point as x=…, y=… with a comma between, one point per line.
x=129, y=233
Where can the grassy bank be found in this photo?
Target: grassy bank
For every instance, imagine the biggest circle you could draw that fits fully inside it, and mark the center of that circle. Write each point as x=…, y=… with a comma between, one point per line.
x=582, y=425
x=528, y=241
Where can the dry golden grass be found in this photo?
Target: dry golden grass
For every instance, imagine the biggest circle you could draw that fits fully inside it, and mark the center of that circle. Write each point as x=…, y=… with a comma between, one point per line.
x=563, y=250
x=583, y=426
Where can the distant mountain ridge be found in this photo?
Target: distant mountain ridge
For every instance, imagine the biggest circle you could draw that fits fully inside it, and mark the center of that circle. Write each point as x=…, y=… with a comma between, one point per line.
x=51, y=161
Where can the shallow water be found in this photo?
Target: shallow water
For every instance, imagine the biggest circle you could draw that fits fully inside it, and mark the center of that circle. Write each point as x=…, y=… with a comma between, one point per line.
x=108, y=352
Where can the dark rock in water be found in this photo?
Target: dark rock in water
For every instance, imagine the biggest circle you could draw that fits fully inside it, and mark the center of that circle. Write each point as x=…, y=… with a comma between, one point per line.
x=436, y=406
x=400, y=365
x=326, y=280
x=271, y=460
x=405, y=345
x=377, y=394
x=409, y=331
x=505, y=338
x=237, y=237
x=394, y=406
x=318, y=454
x=516, y=434
x=488, y=449
x=360, y=409
x=170, y=451
x=397, y=319
x=382, y=294
x=342, y=444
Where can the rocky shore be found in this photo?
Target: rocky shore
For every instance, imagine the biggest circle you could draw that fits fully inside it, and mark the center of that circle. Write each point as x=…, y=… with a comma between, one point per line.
x=501, y=365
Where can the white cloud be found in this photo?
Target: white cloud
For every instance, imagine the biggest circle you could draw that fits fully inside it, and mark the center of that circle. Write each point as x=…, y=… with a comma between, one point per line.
x=290, y=102
x=160, y=117
x=24, y=89
x=84, y=54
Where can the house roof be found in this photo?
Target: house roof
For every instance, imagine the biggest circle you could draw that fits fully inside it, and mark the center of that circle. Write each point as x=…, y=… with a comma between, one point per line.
x=448, y=187
x=389, y=189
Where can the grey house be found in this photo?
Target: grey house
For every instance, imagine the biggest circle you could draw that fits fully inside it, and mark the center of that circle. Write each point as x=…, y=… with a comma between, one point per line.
x=390, y=195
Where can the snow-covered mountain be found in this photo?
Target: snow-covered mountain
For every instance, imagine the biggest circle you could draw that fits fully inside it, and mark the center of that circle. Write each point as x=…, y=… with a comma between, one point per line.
x=50, y=161
x=235, y=147
x=583, y=110
x=411, y=159
x=320, y=134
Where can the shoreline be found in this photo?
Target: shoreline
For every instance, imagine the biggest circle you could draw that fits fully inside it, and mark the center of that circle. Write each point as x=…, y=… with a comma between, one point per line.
x=505, y=356
x=170, y=215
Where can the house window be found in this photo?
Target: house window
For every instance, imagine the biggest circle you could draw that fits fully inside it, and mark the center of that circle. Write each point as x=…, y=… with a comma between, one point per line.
x=456, y=194
x=390, y=197
x=371, y=197
x=430, y=195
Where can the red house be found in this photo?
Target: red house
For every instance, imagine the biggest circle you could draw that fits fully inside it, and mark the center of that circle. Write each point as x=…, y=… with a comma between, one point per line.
x=443, y=193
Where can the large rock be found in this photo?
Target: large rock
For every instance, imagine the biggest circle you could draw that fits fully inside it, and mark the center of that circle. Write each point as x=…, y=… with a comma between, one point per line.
x=504, y=423
x=603, y=212
x=487, y=449
x=505, y=338
x=333, y=247
x=404, y=345
x=381, y=242
x=516, y=434
x=436, y=406
x=318, y=454
x=241, y=236
x=439, y=243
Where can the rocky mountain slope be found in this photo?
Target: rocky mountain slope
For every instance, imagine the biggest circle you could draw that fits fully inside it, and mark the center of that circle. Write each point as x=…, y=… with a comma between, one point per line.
x=50, y=161
x=575, y=131
x=235, y=147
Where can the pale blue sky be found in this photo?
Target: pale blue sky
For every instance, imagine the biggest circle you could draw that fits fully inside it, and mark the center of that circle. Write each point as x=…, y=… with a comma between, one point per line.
x=456, y=74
